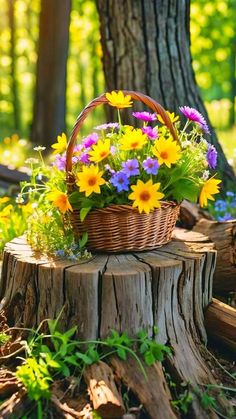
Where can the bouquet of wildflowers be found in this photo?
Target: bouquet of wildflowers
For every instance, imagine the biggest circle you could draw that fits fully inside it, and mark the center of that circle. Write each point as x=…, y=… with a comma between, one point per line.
x=120, y=164
x=139, y=168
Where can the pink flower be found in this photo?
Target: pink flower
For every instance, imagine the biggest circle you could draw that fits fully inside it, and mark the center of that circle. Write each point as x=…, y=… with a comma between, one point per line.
x=151, y=132
x=145, y=116
x=90, y=140
x=193, y=115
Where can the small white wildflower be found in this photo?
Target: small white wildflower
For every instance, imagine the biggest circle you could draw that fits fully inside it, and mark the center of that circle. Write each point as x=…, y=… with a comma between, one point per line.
x=39, y=148
x=186, y=144
x=205, y=174
x=19, y=199
x=34, y=205
x=40, y=176
x=31, y=160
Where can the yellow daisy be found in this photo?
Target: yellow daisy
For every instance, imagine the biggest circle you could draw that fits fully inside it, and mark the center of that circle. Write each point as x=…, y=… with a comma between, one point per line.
x=171, y=115
x=90, y=180
x=146, y=196
x=61, y=144
x=100, y=150
x=119, y=100
x=167, y=151
x=209, y=188
x=60, y=200
x=6, y=211
x=4, y=199
x=133, y=139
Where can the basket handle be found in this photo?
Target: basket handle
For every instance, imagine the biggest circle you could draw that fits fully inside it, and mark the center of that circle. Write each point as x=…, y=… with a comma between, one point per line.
x=151, y=103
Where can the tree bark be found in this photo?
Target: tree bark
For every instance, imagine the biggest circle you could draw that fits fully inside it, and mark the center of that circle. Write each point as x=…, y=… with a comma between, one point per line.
x=146, y=47
x=14, y=84
x=50, y=96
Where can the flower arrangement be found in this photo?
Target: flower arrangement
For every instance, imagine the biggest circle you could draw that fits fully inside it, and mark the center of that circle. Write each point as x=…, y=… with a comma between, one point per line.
x=118, y=165
x=121, y=164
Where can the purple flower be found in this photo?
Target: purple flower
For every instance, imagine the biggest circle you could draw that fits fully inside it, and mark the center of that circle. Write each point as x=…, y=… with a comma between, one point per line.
x=145, y=116
x=120, y=181
x=90, y=140
x=112, y=125
x=84, y=158
x=78, y=148
x=151, y=166
x=211, y=156
x=60, y=162
x=113, y=150
x=195, y=116
x=109, y=169
x=151, y=132
x=225, y=217
x=130, y=167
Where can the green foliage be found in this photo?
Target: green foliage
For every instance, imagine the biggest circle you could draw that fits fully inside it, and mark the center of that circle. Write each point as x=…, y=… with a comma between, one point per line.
x=184, y=401
x=35, y=377
x=213, y=35
x=4, y=338
x=57, y=354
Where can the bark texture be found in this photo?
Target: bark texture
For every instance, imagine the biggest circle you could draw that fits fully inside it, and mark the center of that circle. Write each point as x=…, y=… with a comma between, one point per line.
x=223, y=235
x=49, y=104
x=169, y=287
x=146, y=47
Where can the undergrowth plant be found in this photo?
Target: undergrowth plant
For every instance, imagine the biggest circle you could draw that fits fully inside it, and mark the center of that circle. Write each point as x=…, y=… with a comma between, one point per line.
x=56, y=355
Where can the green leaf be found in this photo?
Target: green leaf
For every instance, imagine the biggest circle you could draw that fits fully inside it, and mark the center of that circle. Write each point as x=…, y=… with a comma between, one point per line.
x=83, y=240
x=71, y=332
x=122, y=353
x=144, y=347
x=149, y=358
x=74, y=197
x=53, y=364
x=185, y=189
x=63, y=349
x=85, y=358
x=84, y=212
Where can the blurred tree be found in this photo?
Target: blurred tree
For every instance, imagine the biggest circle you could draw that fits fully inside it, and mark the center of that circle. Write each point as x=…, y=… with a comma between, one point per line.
x=146, y=47
x=213, y=36
x=49, y=104
x=14, y=84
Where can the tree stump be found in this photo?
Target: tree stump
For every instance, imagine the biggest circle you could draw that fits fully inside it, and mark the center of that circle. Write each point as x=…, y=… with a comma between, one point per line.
x=223, y=235
x=169, y=288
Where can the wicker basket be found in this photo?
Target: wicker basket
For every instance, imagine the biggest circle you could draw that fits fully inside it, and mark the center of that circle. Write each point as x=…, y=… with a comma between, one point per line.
x=121, y=227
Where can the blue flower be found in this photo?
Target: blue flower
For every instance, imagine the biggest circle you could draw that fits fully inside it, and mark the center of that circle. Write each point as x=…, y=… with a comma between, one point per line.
x=120, y=181
x=211, y=156
x=130, y=167
x=226, y=217
x=229, y=193
x=60, y=253
x=151, y=166
x=220, y=205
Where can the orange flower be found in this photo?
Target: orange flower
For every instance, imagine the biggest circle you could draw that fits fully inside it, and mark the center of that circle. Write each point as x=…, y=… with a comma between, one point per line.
x=60, y=200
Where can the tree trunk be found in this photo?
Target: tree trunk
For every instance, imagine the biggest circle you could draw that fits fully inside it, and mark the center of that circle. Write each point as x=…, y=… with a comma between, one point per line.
x=14, y=84
x=169, y=287
x=50, y=96
x=146, y=47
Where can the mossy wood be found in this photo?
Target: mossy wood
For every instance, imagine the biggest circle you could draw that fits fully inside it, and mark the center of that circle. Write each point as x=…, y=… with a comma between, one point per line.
x=169, y=287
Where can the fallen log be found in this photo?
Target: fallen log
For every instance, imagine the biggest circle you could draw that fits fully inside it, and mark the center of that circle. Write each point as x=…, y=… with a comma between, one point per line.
x=223, y=235
x=220, y=320
x=103, y=391
x=152, y=392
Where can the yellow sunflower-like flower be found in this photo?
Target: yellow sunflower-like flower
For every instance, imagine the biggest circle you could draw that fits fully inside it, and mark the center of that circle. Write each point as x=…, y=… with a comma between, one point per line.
x=6, y=211
x=146, y=196
x=209, y=188
x=61, y=144
x=167, y=151
x=119, y=100
x=90, y=180
x=172, y=116
x=60, y=200
x=4, y=199
x=133, y=139
x=100, y=150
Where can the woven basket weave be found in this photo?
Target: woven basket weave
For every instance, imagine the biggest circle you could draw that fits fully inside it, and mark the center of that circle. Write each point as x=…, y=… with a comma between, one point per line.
x=121, y=227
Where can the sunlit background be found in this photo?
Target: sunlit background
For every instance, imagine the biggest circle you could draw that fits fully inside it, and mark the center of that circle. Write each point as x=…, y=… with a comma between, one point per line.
x=213, y=35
